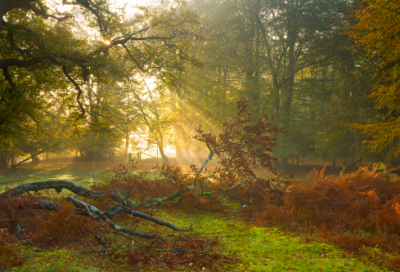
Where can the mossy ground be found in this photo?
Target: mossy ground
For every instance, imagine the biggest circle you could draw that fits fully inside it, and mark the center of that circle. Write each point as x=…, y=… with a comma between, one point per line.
x=257, y=248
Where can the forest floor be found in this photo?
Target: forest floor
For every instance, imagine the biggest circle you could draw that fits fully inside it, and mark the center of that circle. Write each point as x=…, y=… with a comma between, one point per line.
x=84, y=173
x=257, y=248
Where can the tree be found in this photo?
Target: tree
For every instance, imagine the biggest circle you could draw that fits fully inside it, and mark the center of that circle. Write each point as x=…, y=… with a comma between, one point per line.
x=44, y=55
x=152, y=105
x=263, y=49
x=377, y=33
x=296, y=35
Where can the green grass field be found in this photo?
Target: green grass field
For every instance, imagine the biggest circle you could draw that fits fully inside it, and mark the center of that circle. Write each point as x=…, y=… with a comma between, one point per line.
x=258, y=248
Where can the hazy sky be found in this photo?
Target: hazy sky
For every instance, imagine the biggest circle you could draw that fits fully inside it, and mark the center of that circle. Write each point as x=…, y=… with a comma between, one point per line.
x=129, y=3
x=132, y=2
x=118, y=3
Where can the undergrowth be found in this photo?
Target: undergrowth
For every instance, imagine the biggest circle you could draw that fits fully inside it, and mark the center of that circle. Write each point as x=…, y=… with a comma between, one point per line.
x=340, y=210
x=130, y=204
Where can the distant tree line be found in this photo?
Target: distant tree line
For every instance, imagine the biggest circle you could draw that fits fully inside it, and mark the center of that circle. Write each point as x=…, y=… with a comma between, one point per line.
x=327, y=70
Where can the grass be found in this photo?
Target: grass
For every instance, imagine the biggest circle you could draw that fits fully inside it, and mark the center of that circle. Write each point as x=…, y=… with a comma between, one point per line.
x=259, y=248
x=82, y=173
x=268, y=249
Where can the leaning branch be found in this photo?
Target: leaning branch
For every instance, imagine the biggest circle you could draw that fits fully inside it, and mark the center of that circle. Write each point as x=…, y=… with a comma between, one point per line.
x=131, y=56
x=23, y=161
x=240, y=184
x=19, y=63
x=130, y=38
x=204, y=164
x=119, y=208
x=160, y=200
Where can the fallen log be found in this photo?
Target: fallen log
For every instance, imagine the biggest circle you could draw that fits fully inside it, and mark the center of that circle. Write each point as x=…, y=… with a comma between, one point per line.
x=88, y=209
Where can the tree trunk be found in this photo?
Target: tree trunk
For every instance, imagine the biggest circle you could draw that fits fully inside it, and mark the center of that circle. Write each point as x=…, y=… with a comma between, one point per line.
x=287, y=90
x=3, y=162
x=126, y=145
x=178, y=143
x=163, y=156
x=35, y=159
x=15, y=228
x=12, y=160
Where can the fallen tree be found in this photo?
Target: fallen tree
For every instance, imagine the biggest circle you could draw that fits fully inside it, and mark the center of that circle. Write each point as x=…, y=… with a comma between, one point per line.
x=241, y=148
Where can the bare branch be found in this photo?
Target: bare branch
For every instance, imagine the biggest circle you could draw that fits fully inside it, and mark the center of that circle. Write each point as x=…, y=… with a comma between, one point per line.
x=20, y=63
x=130, y=55
x=204, y=164
x=78, y=88
x=119, y=208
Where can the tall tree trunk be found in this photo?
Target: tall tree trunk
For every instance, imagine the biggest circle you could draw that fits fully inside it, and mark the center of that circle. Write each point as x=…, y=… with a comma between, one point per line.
x=176, y=127
x=3, y=162
x=288, y=90
x=126, y=144
x=252, y=90
x=163, y=156
x=178, y=144
x=276, y=96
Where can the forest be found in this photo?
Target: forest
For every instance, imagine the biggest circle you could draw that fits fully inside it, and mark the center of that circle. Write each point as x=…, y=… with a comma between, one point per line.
x=199, y=135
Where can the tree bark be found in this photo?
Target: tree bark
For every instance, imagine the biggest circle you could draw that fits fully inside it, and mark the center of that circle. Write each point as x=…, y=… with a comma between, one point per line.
x=3, y=162
x=163, y=156
x=15, y=228
x=126, y=145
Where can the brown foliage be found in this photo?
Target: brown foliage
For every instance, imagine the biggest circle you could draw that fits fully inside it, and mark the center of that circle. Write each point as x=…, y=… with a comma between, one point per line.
x=39, y=226
x=365, y=200
x=139, y=186
x=168, y=179
x=8, y=255
x=17, y=209
x=190, y=201
x=179, y=252
x=356, y=243
x=64, y=225
x=22, y=211
x=341, y=209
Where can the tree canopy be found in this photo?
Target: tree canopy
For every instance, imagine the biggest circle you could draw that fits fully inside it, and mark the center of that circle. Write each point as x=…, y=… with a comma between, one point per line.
x=57, y=63
x=377, y=32
x=82, y=67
